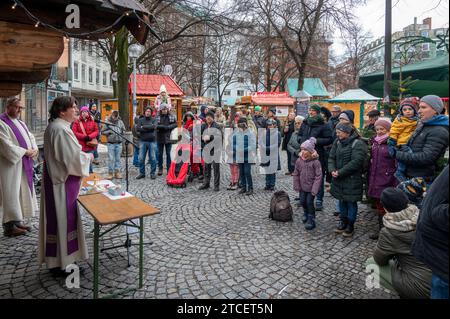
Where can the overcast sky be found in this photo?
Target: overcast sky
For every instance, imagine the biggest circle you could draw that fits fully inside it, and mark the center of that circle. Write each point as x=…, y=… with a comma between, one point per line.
x=371, y=16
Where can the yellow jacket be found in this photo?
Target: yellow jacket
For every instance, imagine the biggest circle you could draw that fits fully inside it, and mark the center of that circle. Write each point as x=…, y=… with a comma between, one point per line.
x=402, y=129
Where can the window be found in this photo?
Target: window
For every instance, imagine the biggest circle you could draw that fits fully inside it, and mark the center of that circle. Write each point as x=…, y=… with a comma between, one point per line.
x=97, y=76
x=90, y=76
x=104, y=78
x=83, y=45
x=83, y=73
x=397, y=48
x=439, y=32
x=240, y=79
x=110, y=80
x=227, y=93
x=425, y=47
x=424, y=33
x=240, y=92
x=90, y=49
x=226, y=78
x=76, y=44
x=75, y=71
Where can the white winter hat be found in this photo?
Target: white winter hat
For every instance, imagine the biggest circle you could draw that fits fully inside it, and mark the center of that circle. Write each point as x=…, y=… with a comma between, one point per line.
x=162, y=88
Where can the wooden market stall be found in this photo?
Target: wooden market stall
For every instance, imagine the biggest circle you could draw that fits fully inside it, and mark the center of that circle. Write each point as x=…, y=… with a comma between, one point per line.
x=357, y=100
x=281, y=101
x=147, y=89
x=31, y=43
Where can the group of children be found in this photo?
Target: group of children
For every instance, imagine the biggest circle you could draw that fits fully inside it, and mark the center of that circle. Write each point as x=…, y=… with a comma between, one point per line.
x=384, y=171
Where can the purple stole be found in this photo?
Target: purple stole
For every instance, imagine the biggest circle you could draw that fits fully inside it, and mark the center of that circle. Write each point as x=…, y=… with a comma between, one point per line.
x=72, y=188
x=26, y=161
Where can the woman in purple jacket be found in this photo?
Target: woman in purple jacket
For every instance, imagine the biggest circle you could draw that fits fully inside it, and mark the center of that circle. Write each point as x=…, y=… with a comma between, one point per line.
x=307, y=180
x=382, y=168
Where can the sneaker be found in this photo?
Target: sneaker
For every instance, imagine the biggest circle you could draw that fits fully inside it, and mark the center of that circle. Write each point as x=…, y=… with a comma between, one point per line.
x=118, y=175
x=201, y=177
x=234, y=187
x=270, y=188
x=216, y=188
x=110, y=176
x=153, y=176
x=348, y=231
x=304, y=218
x=204, y=186
x=288, y=173
x=230, y=187
x=242, y=191
x=96, y=162
x=249, y=192
x=160, y=171
x=140, y=176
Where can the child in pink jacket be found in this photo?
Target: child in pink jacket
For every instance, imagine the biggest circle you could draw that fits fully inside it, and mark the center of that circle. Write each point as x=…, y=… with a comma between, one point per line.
x=307, y=179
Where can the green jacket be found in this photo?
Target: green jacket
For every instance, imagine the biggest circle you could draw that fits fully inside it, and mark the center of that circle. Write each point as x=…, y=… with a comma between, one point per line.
x=347, y=157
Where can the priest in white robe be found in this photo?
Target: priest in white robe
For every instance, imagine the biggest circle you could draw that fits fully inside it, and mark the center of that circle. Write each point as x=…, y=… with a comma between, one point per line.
x=61, y=237
x=17, y=151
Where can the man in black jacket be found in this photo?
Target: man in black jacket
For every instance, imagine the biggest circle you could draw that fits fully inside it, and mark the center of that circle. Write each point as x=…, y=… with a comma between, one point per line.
x=210, y=161
x=166, y=122
x=146, y=127
x=258, y=118
x=315, y=126
x=431, y=243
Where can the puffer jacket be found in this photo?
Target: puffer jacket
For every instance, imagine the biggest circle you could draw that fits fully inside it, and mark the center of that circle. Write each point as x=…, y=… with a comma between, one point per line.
x=432, y=233
x=402, y=128
x=91, y=129
x=307, y=176
x=381, y=170
x=347, y=157
x=146, y=126
x=319, y=130
x=108, y=131
x=410, y=277
x=165, y=124
x=428, y=143
x=294, y=147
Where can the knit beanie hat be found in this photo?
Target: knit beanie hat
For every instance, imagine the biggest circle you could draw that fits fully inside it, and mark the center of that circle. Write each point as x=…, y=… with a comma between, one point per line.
x=309, y=144
x=434, y=101
x=394, y=200
x=274, y=111
x=384, y=122
x=348, y=115
x=315, y=107
x=413, y=102
x=345, y=127
x=84, y=108
x=258, y=108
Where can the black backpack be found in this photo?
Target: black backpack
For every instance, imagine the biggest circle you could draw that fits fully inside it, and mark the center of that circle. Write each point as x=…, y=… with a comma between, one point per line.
x=280, y=207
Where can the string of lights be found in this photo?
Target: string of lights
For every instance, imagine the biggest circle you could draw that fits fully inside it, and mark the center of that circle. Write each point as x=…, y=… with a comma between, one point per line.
x=109, y=28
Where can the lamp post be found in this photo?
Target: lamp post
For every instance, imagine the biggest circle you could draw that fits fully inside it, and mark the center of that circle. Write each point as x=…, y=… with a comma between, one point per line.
x=134, y=51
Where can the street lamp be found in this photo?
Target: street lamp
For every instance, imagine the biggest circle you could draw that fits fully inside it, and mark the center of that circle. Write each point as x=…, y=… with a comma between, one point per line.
x=134, y=51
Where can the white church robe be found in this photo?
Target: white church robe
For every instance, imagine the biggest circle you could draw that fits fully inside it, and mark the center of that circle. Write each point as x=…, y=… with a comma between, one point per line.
x=17, y=199
x=61, y=236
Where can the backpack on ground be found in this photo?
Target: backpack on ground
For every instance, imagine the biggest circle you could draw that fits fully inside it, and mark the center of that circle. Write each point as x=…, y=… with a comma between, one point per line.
x=280, y=207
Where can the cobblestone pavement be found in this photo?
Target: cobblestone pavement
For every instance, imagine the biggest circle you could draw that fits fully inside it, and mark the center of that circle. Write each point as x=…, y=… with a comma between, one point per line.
x=210, y=244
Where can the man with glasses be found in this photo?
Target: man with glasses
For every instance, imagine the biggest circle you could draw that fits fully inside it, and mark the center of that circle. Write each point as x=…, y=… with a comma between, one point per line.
x=18, y=149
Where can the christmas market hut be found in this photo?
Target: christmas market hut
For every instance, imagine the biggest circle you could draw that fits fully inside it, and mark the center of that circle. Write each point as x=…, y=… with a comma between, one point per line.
x=281, y=101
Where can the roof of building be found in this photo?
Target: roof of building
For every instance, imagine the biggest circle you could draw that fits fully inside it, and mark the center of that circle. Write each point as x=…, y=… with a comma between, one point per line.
x=354, y=95
x=273, y=100
x=149, y=84
x=313, y=86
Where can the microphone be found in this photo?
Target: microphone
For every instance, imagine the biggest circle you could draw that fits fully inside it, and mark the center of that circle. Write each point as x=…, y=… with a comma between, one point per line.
x=106, y=123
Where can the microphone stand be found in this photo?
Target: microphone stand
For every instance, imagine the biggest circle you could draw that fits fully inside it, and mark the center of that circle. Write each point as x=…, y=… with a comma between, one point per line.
x=127, y=243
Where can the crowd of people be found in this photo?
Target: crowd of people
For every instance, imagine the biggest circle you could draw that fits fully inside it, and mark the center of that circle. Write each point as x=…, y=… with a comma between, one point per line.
x=396, y=166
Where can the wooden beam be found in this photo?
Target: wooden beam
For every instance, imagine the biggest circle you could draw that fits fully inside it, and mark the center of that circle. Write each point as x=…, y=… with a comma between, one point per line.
x=26, y=48
x=8, y=89
x=26, y=77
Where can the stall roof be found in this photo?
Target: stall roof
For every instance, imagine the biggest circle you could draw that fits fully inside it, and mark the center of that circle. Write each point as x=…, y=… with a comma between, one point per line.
x=354, y=95
x=149, y=84
x=273, y=100
x=314, y=86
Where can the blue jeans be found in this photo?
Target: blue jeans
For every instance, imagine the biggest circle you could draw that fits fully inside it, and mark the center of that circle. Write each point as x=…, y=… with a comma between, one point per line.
x=150, y=148
x=270, y=180
x=439, y=288
x=136, y=157
x=90, y=165
x=168, y=148
x=114, y=152
x=95, y=153
x=348, y=210
x=245, y=175
x=321, y=189
x=307, y=202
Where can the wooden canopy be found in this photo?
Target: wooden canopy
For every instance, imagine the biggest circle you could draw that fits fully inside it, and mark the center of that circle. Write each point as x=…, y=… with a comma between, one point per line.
x=28, y=50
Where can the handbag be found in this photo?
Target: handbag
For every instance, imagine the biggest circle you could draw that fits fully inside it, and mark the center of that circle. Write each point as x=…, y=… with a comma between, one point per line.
x=91, y=143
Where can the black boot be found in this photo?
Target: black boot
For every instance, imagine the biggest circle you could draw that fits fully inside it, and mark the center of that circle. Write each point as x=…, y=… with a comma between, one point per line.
x=342, y=225
x=349, y=230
